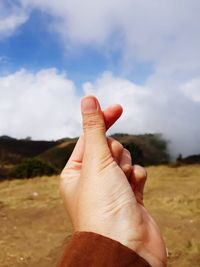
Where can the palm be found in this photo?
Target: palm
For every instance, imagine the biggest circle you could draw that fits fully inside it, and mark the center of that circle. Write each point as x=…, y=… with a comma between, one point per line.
x=119, y=201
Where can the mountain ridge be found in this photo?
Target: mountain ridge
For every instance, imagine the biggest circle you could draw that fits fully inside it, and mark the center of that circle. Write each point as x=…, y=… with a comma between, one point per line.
x=146, y=149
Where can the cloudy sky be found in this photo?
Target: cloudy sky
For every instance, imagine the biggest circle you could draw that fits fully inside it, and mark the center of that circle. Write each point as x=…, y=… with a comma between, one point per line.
x=143, y=54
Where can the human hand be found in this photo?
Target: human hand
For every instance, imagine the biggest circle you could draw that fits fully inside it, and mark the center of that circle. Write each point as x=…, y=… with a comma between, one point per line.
x=100, y=198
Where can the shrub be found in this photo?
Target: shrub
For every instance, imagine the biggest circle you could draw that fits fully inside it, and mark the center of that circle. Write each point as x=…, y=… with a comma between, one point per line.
x=31, y=168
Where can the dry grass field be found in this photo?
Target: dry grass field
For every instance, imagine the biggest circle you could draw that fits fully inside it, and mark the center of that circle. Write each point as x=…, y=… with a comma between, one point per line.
x=33, y=224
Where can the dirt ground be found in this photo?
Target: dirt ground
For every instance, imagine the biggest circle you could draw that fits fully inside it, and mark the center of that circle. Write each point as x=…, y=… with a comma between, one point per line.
x=33, y=224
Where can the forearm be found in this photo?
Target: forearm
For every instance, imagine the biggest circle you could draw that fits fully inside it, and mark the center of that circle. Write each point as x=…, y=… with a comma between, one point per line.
x=93, y=250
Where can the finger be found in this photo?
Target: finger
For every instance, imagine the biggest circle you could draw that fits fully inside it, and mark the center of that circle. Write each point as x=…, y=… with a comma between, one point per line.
x=75, y=159
x=125, y=158
x=137, y=181
x=111, y=115
x=96, y=148
x=121, y=156
x=127, y=169
x=77, y=153
x=116, y=149
x=126, y=163
x=140, y=176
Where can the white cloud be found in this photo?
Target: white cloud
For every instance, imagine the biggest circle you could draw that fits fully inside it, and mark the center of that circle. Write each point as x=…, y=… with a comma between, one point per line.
x=192, y=89
x=10, y=19
x=164, y=33
x=43, y=105
x=152, y=109
x=10, y=23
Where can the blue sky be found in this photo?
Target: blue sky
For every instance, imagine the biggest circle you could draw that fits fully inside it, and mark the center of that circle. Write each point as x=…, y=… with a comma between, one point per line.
x=142, y=54
x=33, y=47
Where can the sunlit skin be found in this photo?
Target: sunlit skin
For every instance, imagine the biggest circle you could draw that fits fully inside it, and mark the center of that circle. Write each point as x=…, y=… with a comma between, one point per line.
x=103, y=192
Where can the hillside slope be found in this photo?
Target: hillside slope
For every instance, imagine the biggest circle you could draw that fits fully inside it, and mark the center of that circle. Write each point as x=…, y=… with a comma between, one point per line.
x=145, y=149
x=148, y=149
x=59, y=154
x=12, y=151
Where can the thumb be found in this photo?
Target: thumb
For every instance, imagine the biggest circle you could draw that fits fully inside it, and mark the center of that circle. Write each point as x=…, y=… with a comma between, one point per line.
x=94, y=129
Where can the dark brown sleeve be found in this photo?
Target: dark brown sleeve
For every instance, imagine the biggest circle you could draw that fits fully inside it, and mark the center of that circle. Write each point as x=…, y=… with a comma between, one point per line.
x=92, y=250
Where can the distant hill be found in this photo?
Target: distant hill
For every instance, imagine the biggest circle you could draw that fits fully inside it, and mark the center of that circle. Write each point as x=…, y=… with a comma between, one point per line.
x=12, y=151
x=193, y=159
x=6, y=137
x=59, y=154
x=147, y=149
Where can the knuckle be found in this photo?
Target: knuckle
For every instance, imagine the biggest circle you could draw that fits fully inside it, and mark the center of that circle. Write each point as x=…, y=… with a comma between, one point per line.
x=117, y=146
x=141, y=172
x=144, y=172
x=116, y=149
x=127, y=153
x=92, y=121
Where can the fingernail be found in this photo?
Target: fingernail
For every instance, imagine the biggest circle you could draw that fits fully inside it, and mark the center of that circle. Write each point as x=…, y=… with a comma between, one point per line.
x=88, y=104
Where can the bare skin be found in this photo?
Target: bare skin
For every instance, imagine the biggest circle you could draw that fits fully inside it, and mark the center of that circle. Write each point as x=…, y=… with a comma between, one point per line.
x=103, y=193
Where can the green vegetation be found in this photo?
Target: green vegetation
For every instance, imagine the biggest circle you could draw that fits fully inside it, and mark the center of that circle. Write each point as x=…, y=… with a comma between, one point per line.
x=58, y=155
x=147, y=149
x=32, y=168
